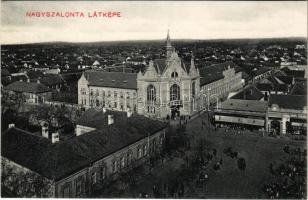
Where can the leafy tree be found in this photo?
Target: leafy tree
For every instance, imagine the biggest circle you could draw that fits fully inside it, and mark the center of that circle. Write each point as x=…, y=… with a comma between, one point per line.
x=21, y=183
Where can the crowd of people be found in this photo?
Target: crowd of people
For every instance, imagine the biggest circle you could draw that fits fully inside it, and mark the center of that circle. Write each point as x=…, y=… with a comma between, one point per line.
x=290, y=176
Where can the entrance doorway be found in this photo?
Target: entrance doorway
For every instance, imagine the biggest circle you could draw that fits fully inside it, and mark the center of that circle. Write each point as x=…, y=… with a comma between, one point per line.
x=175, y=101
x=275, y=126
x=175, y=111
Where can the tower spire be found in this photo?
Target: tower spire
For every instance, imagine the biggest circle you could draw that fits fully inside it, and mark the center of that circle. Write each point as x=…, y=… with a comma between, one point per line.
x=169, y=47
x=168, y=39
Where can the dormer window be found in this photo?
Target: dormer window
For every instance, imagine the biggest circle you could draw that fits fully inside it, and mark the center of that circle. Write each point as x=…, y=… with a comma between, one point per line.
x=174, y=75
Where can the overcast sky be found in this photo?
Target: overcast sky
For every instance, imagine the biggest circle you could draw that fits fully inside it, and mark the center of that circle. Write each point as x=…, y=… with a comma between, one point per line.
x=150, y=20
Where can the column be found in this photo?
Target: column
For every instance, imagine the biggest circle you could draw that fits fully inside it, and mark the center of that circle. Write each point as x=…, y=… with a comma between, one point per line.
x=283, y=127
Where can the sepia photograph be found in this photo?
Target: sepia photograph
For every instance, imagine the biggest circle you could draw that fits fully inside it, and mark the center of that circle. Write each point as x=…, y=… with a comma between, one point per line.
x=154, y=99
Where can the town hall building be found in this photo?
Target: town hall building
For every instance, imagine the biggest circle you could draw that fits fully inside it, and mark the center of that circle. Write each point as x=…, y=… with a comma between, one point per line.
x=169, y=87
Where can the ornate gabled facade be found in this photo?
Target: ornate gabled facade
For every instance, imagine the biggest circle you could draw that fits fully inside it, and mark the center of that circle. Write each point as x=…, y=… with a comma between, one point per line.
x=169, y=87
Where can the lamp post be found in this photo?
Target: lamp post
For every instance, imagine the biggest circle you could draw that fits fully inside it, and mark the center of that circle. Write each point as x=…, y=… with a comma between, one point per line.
x=208, y=99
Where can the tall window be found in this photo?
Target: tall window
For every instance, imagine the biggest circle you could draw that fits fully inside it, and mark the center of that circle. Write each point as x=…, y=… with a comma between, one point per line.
x=97, y=102
x=94, y=178
x=129, y=158
x=193, y=89
x=114, y=166
x=145, y=150
x=175, y=92
x=123, y=162
x=151, y=93
x=79, y=186
x=66, y=190
x=139, y=152
x=174, y=75
x=103, y=172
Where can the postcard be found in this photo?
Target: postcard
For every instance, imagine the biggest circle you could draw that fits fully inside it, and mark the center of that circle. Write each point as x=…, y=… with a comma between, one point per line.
x=154, y=99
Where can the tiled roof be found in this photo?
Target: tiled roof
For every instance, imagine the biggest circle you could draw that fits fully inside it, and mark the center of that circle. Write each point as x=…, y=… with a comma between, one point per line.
x=160, y=65
x=299, y=88
x=249, y=93
x=29, y=87
x=58, y=160
x=214, y=72
x=52, y=79
x=112, y=79
x=261, y=70
x=295, y=73
x=244, y=105
x=296, y=102
x=265, y=87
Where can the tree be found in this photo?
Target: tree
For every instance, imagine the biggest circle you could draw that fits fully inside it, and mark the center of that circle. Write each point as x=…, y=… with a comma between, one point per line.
x=22, y=183
x=54, y=115
x=12, y=101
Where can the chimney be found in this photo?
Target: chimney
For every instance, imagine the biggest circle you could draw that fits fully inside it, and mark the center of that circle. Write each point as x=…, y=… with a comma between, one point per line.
x=45, y=131
x=110, y=119
x=55, y=137
x=129, y=113
x=104, y=110
x=11, y=125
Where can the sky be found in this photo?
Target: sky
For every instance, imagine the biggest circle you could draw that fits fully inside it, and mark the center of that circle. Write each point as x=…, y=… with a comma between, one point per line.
x=151, y=20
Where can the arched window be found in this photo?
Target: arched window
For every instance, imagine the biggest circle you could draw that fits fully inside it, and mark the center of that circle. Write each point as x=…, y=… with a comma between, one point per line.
x=175, y=92
x=151, y=93
x=174, y=75
x=193, y=89
x=145, y=150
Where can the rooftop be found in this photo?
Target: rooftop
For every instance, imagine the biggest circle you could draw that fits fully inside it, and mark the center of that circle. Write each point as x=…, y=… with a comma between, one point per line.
x=57, y=160
x=244, y=105
x=51, y=79
x=300, y=88
x=29, y=87
x=111, y=79
x=249, y=93
x=214, y=72
x=160, y=65
x=297, y=102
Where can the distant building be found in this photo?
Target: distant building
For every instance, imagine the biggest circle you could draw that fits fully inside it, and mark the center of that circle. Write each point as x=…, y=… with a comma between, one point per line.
x=32, y=92
x=249, y=93
x=53, y=71
x=107, y=143
x=53, y=81
x=287, y=113
x=168, y=87
x=249, y=114
x=112, y=90
x=261, y=73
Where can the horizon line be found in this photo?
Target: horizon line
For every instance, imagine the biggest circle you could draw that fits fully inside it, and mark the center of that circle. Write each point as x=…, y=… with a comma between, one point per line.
x=144, y=40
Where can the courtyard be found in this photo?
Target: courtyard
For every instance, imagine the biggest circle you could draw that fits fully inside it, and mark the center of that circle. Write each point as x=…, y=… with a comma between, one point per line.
x=178, y=176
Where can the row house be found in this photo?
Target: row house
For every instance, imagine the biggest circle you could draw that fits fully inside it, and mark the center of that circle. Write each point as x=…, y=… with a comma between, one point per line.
x=106, y=144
